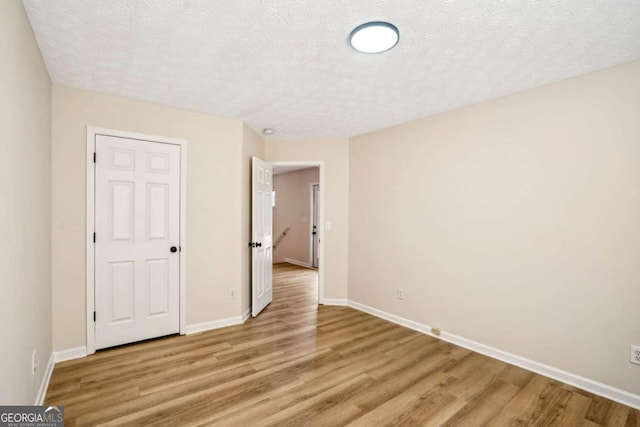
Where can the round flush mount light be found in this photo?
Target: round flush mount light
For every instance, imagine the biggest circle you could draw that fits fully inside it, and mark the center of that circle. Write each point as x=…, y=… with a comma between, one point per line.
x=268, y=131
x=374, y=37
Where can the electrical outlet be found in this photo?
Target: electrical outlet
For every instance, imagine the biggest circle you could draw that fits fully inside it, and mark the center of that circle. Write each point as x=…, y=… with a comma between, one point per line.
x=635, y=354
x=232, y=293
x=400, y=293
x=436, y=331
x=34, y=362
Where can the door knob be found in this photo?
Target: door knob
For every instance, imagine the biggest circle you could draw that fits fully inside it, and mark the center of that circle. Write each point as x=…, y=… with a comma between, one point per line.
x=173, y=249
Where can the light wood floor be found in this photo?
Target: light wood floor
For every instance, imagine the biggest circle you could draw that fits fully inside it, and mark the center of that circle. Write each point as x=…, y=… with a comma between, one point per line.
x=302, y=364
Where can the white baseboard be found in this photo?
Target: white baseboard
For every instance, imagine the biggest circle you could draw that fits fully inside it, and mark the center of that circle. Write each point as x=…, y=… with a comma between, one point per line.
x=44, y=385
x=587, y=384
x=392, y=318
x=295, y=262
x=334, y=301
x=70, y=354
x=595, y=387
x=246, y=315
x=215, y=324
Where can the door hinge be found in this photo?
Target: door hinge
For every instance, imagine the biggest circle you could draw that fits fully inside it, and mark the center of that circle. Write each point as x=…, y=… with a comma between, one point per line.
x=94, y=157
x=94, y=237
x=94, y=316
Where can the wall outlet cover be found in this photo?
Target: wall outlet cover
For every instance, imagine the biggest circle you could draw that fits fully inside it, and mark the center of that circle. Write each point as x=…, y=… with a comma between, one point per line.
x=635, y=354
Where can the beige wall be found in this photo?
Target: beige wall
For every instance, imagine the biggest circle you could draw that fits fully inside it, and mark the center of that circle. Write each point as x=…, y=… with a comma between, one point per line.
x=25, y=208
x=293, y=209
x=214, y=219
x=252, y=145
x=335, y=155
x=514, y=223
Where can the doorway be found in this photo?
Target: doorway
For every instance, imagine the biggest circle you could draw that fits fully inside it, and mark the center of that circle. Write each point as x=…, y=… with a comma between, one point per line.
x=306, y=220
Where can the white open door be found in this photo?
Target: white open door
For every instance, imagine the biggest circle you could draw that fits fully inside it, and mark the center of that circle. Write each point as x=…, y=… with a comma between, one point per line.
x=137, y=240
x=315, y=232
x=261, y=235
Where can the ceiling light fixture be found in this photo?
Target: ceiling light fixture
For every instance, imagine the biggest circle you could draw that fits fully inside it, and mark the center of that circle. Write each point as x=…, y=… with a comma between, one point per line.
x=374, y=37
x=268, y=131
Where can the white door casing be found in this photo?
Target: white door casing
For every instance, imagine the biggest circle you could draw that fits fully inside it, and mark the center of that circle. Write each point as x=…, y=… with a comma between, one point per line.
x=261, y=235
x=138, y=219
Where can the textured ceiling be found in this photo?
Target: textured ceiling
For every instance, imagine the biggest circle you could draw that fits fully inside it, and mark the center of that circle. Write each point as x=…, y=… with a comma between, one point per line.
x=286, y=64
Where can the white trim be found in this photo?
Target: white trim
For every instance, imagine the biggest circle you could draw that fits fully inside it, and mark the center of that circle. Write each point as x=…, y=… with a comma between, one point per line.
x=587, y=384
x=296, y=262
x=90, y=249
x=44, y=385
x=595, y=387
x=183, y=237
x=335, y=301
x=90, y=220
x=216, y=324
x=70, y=354
x=245, y=315
x=392, y=318
x=320, y=165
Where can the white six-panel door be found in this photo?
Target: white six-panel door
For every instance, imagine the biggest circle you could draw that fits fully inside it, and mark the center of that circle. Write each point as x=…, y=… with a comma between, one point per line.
x=261, y=235
x=137, y=223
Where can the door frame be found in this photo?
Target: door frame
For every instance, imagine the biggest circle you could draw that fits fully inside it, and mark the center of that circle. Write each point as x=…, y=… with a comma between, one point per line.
x=311, y=240
x=92, y=132
x=320, y=165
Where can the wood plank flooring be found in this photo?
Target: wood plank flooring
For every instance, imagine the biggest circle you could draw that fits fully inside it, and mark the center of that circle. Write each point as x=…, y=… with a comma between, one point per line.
x=299, y=364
